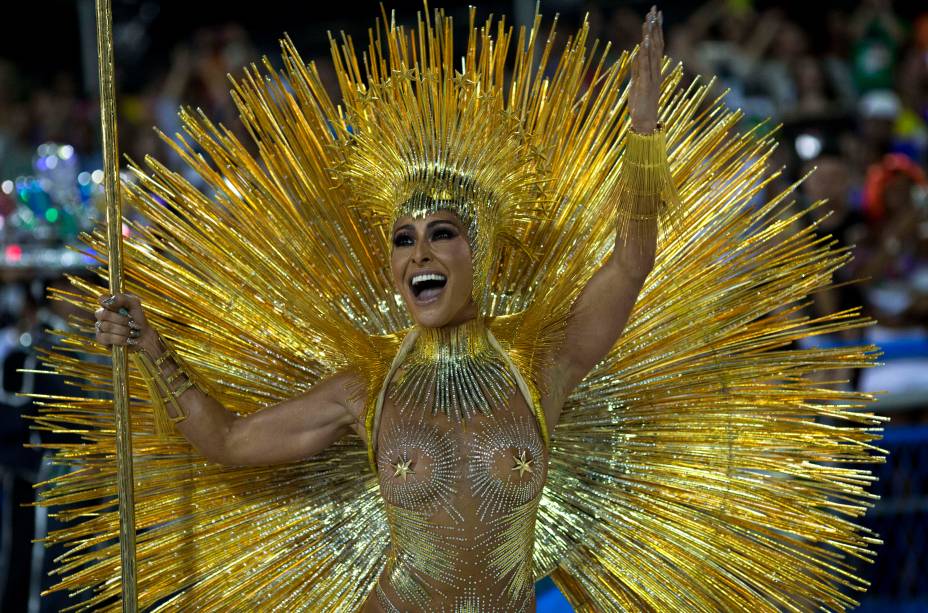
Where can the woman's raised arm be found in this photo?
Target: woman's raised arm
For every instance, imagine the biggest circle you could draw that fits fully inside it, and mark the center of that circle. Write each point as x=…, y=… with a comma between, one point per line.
x=602, y=309
x=292, y=430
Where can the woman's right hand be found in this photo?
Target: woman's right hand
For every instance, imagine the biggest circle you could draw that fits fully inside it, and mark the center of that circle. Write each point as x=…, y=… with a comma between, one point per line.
x=121, y=321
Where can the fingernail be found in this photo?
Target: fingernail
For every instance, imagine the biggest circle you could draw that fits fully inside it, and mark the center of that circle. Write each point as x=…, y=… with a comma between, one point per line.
x=133, y=333
x=134, y=325
x=124, y=311
x=132, y=341
x=108, y=301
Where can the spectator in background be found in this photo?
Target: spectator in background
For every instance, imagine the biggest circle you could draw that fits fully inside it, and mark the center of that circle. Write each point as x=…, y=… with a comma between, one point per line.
x=912, y=122
x=877, y=114
x=836, y=59
x=896, y=257
x=813, y=96
x=878, y=36
x=775, y=63
x=832, y=182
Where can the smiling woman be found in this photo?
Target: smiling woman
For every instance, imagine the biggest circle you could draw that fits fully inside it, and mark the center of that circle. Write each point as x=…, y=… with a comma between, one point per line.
x=433, y=269
x=446, y=394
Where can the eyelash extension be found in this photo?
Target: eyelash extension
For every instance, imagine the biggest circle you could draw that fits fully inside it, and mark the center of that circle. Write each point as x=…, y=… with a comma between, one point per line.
x=449, y=234
x=398, y=240
x=448, y=231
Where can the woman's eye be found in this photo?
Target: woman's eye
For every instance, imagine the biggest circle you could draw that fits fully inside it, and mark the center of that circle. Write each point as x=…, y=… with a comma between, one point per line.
x=443, y=234
x=402, y=240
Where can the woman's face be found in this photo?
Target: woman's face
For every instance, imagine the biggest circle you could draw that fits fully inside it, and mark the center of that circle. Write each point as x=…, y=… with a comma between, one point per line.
x=433, y=270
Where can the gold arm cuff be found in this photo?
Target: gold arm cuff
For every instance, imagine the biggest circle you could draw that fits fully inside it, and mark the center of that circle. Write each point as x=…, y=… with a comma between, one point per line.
x=645, y=188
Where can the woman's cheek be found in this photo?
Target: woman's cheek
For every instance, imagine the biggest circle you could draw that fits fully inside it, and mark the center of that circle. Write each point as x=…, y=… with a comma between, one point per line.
x=396, y=268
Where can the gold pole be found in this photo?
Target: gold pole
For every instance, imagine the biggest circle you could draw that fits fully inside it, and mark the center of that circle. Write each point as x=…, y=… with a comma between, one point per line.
x=124, y=479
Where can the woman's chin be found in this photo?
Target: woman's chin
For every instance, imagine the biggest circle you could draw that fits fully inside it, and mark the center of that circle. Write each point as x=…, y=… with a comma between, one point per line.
x=434, y=313
x=431, y=318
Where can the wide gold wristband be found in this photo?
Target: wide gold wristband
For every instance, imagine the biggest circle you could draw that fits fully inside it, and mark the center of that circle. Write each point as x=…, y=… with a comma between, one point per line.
x=167, y=377
x=645, y=189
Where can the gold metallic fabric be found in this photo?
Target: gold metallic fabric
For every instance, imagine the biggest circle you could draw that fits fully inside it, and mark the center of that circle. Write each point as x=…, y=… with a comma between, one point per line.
x=698, y=467
x=462, y=499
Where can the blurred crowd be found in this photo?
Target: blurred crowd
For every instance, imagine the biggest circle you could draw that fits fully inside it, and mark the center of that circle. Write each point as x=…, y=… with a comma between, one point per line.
x=59, y=111
x=846, y=87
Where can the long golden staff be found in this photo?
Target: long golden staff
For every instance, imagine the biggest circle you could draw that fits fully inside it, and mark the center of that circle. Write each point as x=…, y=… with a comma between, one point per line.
x=124, y=478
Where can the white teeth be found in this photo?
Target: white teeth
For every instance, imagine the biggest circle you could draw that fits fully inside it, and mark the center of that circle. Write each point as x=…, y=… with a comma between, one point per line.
x=427, y=277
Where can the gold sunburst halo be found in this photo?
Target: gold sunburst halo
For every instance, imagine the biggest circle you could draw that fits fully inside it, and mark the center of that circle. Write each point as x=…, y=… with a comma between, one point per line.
x=697, y=467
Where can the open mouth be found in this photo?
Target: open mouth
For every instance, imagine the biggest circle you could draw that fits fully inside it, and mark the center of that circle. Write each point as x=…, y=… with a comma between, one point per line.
x=426, y=287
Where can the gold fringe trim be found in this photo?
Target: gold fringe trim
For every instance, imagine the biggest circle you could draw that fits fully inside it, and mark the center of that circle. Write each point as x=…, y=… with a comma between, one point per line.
x=646, y=189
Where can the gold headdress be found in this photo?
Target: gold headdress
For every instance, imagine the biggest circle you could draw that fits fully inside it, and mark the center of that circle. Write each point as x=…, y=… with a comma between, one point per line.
x=419, y=137
x=697, y=467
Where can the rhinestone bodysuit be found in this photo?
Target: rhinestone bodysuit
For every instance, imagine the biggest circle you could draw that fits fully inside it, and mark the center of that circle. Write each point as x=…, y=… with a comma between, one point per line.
x=461, y=498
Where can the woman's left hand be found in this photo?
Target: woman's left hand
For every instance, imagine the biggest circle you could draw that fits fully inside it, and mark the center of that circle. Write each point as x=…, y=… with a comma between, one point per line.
x=646, y=74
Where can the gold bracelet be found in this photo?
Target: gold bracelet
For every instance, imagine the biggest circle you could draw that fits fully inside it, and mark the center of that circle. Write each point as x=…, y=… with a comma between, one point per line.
x=165, y=387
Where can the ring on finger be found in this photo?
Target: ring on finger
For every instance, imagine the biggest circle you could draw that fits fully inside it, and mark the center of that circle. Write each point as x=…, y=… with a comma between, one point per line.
x=99, y=326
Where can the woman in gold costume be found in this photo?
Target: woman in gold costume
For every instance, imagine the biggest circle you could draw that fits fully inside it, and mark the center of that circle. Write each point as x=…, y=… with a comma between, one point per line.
x=510, y=436
x=460, y=439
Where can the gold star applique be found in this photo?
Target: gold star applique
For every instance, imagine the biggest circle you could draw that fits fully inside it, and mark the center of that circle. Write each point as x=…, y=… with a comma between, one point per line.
x=402, y=469
x=407, y=73
x=522, y=465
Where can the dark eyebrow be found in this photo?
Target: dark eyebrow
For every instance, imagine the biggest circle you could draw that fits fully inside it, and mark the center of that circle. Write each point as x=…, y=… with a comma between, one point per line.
x=428, y=226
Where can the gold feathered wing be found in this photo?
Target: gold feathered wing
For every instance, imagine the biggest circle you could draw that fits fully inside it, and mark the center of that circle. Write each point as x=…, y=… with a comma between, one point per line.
x=696, y=467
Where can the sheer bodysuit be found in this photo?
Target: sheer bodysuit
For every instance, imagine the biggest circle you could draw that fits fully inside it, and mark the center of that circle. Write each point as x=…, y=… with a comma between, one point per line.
x=461, y=500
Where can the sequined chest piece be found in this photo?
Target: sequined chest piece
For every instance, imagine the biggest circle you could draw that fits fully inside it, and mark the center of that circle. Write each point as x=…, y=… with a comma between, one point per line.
x=461, y=498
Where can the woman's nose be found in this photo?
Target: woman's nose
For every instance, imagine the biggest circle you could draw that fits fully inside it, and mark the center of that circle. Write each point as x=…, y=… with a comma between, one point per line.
x=422, y=252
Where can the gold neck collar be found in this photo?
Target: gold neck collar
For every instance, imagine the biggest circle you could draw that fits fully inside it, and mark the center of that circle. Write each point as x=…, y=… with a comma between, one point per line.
x=452, y=342
x=455, y=371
